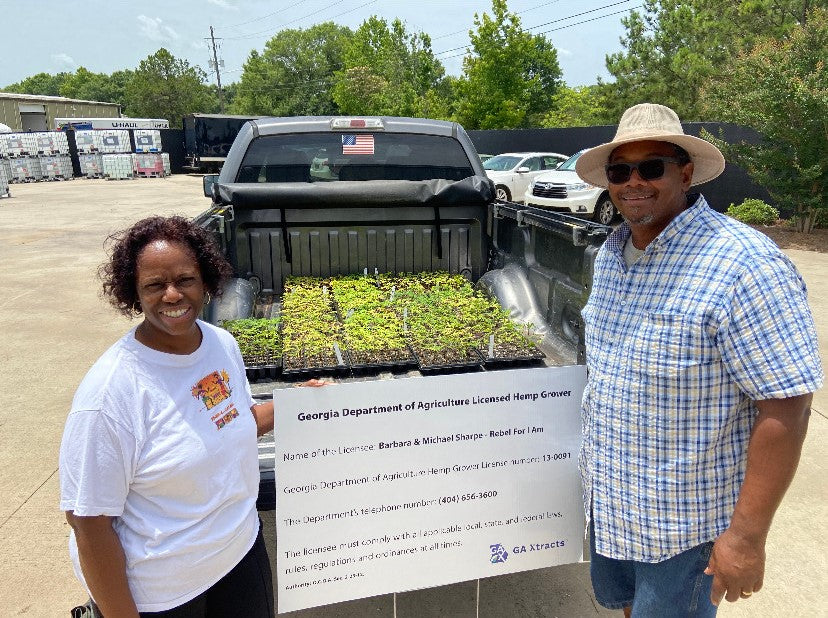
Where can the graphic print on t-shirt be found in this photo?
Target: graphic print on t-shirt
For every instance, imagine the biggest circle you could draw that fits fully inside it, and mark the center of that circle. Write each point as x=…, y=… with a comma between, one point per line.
x=213, y=388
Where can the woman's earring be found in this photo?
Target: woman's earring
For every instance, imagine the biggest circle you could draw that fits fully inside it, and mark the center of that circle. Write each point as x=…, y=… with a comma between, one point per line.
x=209, y=298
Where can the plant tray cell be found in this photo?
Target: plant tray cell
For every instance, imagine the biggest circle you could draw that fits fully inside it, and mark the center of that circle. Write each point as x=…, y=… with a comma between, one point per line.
x=381, y=359
x=449, y=360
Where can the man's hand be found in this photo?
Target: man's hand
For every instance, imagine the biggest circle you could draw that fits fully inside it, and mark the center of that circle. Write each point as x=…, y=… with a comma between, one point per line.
x=737, y=565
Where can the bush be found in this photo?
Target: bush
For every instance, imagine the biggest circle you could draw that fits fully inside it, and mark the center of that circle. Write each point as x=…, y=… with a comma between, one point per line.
x=754, y=212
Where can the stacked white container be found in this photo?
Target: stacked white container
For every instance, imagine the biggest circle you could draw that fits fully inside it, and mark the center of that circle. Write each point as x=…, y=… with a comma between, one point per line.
x=165, y=157
x=5, y=177
x=51, y=143
x=56, y=167
x=114, y=141
x=91, y=165
x=25, y=169
x=118, y=166
x=19, y=144
x=147, y=140
x=88, y=141
x=148, y=165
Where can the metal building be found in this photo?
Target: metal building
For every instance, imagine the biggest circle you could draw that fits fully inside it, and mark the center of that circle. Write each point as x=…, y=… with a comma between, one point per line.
x=35, y=112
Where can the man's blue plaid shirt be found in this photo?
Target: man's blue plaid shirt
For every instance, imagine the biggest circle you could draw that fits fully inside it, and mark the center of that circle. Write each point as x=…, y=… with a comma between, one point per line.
x=711, y=317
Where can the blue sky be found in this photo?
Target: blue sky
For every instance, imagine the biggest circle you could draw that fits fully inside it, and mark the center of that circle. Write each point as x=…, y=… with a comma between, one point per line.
x=108, y=35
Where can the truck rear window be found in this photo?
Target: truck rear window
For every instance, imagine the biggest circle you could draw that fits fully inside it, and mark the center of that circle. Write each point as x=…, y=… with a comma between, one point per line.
x=328, y=157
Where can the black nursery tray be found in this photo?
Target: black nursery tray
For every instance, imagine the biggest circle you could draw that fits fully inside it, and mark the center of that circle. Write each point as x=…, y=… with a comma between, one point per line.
x=260, y=373
x=325, y=366
x=515, y=356
x=405, y=358
x=473, y=360
x=260, y=367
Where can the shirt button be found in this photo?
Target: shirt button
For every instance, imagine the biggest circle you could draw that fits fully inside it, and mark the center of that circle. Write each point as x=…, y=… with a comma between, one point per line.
x=623, y=302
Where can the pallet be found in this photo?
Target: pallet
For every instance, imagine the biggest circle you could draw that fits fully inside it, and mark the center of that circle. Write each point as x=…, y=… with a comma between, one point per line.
x=151, y=174
x=57, y=178
x=119, y=177
x=93, y=176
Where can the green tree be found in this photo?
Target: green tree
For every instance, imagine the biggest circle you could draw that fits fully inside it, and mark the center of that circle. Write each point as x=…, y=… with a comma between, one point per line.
x=780, y=88
x=582, y=106
x=293, y=75
x=164, y=86
x=510, y=77
x=41, y=83
x=89, y=86
x=388, y=71
x=674, y=47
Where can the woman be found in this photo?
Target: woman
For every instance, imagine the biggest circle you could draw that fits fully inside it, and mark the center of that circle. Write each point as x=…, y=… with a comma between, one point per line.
x=158, y=464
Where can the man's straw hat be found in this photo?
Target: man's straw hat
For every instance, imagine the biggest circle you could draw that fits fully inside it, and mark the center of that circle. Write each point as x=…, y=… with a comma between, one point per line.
x=649, y=121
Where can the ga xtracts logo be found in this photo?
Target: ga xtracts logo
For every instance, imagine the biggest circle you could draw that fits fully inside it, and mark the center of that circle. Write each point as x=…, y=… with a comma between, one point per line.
x=499, y=553
x=212, y=389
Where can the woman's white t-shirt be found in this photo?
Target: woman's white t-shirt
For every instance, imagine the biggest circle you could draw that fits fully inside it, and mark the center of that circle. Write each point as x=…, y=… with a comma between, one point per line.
x=166, y=445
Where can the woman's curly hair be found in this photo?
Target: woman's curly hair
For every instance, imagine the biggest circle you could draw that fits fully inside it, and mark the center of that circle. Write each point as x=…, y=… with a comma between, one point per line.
x=120, y=272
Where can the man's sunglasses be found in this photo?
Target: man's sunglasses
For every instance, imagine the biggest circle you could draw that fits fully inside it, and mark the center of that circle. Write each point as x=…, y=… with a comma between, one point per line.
x=649, y=169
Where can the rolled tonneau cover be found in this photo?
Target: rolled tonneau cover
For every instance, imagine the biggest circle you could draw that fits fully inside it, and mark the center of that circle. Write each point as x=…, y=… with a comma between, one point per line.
x=471, y=191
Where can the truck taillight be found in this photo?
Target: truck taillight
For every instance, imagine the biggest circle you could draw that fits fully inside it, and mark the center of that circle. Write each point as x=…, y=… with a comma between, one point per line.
x=357, y=123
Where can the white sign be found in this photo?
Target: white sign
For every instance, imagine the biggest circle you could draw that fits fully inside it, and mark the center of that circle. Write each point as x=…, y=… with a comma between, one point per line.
x=392, y=485
x=114, y=123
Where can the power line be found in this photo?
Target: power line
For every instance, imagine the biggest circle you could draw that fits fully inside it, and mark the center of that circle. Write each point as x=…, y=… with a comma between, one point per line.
x=600, y=8
x=250, y=21
x=540, y=6
x=270, y=31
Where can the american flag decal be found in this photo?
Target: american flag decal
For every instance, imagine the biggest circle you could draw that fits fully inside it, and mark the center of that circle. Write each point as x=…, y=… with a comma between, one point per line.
x=358, y=144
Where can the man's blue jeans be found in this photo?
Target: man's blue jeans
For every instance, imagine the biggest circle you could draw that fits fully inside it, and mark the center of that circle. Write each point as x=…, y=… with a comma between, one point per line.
x=676, y=587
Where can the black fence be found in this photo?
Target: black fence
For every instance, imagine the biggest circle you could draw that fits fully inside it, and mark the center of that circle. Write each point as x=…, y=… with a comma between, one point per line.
x=732, y=187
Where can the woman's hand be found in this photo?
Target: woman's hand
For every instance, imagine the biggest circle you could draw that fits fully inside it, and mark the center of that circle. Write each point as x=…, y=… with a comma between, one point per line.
x=263, y=412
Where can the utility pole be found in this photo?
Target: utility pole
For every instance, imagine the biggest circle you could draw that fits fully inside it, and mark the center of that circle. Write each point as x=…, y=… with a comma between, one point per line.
x=215, y=64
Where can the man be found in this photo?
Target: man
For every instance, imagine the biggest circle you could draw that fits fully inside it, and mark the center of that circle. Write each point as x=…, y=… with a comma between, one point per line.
x=702, y=359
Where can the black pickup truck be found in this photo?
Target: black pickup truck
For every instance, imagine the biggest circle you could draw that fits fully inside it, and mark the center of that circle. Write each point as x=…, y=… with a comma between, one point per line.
x=325, y=196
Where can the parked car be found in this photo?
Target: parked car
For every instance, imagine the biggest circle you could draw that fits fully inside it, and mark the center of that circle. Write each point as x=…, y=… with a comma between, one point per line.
x=563, y=190
x=513, y=171
x=484, y=157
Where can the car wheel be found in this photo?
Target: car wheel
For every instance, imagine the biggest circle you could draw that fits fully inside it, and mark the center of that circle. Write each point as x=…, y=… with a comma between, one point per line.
x=502, y=193
x=604, y=210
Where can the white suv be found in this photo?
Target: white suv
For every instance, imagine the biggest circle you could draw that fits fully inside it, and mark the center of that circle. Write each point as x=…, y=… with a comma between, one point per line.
x=513, y=171
x=562, y=189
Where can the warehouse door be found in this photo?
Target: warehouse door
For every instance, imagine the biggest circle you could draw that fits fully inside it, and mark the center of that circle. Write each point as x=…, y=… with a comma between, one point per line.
x=33, y=117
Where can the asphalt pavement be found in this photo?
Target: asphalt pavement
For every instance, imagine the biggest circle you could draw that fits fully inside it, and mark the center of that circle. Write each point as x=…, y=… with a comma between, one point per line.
x=54, y=325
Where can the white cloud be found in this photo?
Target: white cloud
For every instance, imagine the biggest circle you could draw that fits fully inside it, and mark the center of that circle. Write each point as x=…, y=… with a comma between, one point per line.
x=564, y=52
x=223, y=4
x=64, y=61
x=154, y=29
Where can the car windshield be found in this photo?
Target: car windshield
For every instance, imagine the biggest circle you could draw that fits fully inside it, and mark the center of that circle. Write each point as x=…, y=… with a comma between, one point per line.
x=328, y=157
x=569, y=164
x=501, y=163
